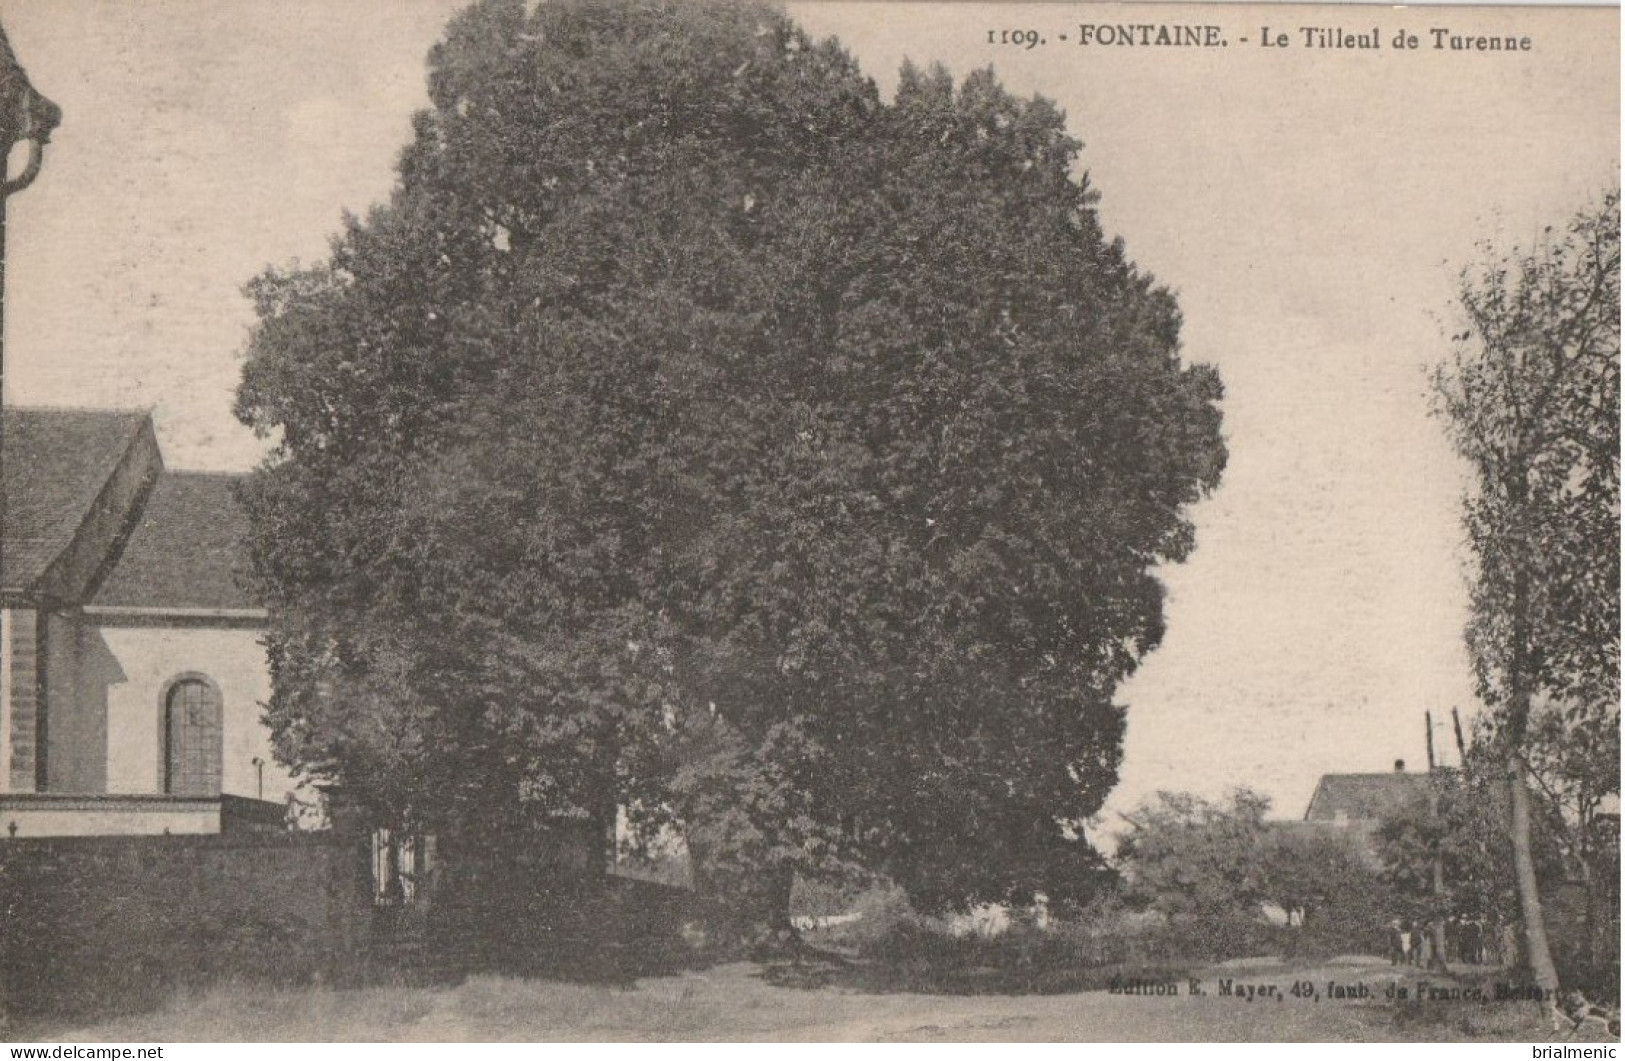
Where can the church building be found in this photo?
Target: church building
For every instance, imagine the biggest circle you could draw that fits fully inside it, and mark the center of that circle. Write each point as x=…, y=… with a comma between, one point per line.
x=132, y=671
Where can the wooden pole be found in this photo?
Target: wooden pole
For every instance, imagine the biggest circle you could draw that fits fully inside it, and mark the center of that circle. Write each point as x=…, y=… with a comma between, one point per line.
x=1437, y=920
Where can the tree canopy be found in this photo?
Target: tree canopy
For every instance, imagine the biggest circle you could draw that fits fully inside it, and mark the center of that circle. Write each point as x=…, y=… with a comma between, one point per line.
x=1214, y=865
x=696, y=432
x=1531, y=400
x=1186, y=855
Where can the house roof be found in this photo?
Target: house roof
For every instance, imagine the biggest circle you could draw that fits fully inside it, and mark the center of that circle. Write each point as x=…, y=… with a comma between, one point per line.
x=187, y=550
x=56, y=464
x=1365, y=797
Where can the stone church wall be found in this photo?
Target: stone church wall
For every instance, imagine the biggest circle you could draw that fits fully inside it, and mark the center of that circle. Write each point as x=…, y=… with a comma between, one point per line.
x=109, y=923
x=104, y=691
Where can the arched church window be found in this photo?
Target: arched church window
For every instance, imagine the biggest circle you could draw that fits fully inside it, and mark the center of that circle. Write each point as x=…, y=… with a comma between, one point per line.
x=192, y=738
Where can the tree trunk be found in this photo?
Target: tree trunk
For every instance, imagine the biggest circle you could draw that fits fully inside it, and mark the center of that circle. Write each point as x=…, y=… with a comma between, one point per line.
x=1594, y=936
x=1536, y=946
x=747, y=912
x=780, y=933
x=1599, y=947
x=1537, y=949
x=1439, y=962
x=755, y=913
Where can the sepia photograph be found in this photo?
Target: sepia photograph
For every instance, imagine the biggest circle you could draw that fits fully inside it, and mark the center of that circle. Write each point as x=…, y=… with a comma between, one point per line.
x=719, y=520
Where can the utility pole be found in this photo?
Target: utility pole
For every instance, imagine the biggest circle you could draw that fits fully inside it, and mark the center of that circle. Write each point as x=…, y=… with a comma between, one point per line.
x=1461, y=743
x=1438, y=961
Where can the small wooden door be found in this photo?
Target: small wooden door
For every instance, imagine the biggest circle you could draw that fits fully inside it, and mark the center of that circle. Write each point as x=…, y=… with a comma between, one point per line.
x=192, y=739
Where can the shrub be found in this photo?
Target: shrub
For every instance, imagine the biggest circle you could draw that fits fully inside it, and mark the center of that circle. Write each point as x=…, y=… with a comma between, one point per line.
x=1089, y=952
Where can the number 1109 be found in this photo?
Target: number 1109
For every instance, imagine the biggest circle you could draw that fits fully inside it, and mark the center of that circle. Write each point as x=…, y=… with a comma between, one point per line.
x=1026, y=38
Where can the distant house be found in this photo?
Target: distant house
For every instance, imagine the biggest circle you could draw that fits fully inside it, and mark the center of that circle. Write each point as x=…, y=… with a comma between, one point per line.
x=131, y=668
x=1355, y=805
x=1346, y=798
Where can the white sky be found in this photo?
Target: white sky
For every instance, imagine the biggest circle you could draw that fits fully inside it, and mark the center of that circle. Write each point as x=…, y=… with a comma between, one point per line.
x=1310, y=209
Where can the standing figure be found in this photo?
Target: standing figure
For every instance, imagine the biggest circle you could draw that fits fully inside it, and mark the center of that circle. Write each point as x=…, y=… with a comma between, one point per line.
x=1472, y=941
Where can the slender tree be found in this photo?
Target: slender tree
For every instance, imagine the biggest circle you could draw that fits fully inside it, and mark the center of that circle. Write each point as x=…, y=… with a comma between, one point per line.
x=1466, y=834
x=1531, y=400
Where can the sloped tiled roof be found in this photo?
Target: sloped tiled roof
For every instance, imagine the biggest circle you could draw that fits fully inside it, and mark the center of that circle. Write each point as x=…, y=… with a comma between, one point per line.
x=56, y=462
x=1365, y=797
x=186, y=551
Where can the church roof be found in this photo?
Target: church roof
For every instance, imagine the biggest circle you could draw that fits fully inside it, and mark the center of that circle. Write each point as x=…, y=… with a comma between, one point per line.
x=186, y=551
x=57, y=462
x=92, y=517
x=1365, y=797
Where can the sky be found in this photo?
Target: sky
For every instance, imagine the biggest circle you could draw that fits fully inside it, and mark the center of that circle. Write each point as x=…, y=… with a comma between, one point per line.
x=1311, y=209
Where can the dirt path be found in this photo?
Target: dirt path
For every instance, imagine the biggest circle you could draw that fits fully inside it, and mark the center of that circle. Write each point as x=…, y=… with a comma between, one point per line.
x=1239, y=1002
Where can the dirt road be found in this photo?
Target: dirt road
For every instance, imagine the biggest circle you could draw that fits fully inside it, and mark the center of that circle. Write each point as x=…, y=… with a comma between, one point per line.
x=1253, y=1000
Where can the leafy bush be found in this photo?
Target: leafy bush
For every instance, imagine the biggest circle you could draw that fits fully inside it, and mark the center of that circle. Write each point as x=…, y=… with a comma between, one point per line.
x=1200, y=940
x=922, y=955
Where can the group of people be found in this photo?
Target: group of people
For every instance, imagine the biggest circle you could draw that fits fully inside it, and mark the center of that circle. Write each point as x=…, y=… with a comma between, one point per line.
x=1415, y=942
